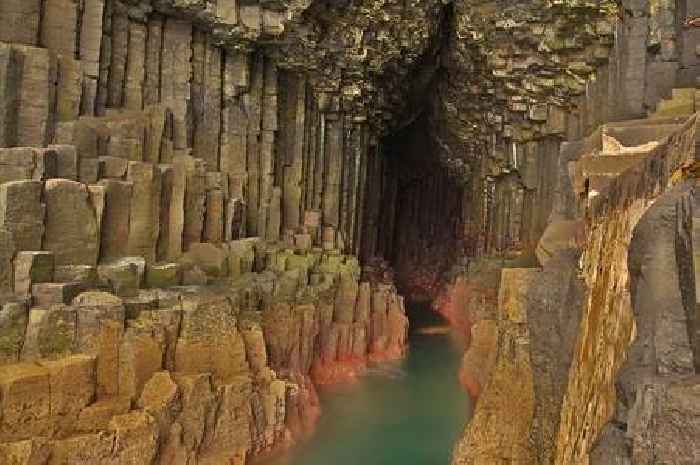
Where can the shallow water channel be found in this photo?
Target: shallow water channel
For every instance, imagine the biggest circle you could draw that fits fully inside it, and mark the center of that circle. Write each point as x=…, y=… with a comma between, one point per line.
x=405, y=413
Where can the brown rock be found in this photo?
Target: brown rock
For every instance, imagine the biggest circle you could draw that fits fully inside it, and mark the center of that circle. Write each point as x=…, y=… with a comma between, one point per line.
x=96, y=417
x=115, y=219
x=113, y=167
x=22, y=213
x=51, y=332
x=163, y=275
x=94, y=310
x=140, y=356
x=88, y=449
x=84, y=275
x=209, y=338
x=7, y=253
x=14, y=317
x=29, y=452
x=71, y=223
x=25, y=402
x=124, y=276
x=161, y=399
x=211, y=258
x=72, y=384
x=20, y=21
x=30, y=268
x=67, y=161
x=136, y=438
x=45, y=294
x=145, y=213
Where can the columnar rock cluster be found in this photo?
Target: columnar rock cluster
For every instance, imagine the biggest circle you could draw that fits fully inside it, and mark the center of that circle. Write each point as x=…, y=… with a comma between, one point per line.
x=179, y=206
x=579, y=279
x=213, y=374
x=201, y=202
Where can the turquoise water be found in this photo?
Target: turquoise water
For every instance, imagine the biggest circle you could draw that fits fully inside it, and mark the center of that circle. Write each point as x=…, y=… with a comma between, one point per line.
x=407, y=413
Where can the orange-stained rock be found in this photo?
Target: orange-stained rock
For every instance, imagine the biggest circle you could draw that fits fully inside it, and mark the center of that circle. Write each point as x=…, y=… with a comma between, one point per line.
x=135, y=438
x=28, y=452
x=96, y=417
x=25, y=402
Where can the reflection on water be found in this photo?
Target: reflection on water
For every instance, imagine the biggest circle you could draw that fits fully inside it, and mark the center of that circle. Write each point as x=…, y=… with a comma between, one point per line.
x=407, y=413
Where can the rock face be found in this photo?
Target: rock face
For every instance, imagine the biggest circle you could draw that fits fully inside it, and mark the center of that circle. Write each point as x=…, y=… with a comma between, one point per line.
x=214, y=373
x=204, y=204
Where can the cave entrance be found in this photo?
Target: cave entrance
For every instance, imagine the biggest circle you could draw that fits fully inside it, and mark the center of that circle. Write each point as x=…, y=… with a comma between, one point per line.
x=419, y=230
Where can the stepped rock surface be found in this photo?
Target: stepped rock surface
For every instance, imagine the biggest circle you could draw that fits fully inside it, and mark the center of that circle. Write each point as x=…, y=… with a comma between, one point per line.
x=209, y=208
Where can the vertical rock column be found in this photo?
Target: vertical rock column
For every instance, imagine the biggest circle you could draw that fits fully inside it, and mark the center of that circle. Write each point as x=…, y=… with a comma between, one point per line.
x=206, y=99
x=89, y=52
x=154, y=51
x=144, y=217
x=9, y=94
x=372, y=204
x=333, y=154
x=119, y=53
x=293, y=113
x=234, y=140
x=34, y=96
x=252, y=105
x=135, y=66
x=176, y=65
x=270, y=196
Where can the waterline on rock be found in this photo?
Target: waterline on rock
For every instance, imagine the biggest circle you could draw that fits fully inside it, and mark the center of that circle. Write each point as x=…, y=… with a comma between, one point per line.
x=408, y=412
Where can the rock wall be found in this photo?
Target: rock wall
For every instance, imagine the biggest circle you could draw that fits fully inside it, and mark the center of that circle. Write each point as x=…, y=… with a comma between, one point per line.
x=205, y=374
x=184, y=190
x=599, y=372
x=187, y=187
x=556, y=216
x=521, y=78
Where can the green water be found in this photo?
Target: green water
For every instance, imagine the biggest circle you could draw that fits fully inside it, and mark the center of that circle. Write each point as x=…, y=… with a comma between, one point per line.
x=407, y=413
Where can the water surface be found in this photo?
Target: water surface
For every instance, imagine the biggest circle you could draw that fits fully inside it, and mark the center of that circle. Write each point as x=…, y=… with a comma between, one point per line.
x=405, y=413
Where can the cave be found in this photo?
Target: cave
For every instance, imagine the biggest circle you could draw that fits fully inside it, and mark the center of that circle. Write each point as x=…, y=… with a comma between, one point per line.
x=421, y=226
x=355, y=231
